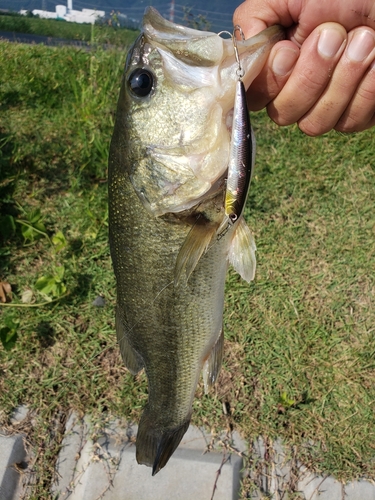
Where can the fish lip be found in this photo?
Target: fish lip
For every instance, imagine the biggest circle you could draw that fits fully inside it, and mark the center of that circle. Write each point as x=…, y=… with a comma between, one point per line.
x=154, y=19
x=274, y=33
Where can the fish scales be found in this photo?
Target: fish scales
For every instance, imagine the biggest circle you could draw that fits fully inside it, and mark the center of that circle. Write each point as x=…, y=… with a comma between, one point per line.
x=168, y=160
x=174, y=328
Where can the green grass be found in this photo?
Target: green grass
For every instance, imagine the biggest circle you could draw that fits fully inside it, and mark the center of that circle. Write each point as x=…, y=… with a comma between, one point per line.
x=300, y=339
x=98, y=34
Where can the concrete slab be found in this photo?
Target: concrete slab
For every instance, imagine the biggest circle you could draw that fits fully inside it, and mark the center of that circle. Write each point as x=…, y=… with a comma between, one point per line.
x=315, y=487
x=105, y=467
x=12, y=453
x=96, y=463
x=360, y=490
x=279, y=475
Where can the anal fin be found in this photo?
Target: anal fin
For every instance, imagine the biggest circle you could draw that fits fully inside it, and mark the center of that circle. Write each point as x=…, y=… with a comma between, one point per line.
x=211, y=367
x=242, y=251
x=130, y=357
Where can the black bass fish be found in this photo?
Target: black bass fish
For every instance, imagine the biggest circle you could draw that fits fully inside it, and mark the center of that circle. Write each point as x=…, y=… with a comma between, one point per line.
x=169, y=240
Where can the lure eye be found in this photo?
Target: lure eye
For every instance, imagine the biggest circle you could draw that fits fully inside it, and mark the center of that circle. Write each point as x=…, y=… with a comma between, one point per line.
x=141, y=82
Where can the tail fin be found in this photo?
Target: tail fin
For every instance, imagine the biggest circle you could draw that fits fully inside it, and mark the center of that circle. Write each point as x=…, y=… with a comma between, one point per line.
x=155, y=446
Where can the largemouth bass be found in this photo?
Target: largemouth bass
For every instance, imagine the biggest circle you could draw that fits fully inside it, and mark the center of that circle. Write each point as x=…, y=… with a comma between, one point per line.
x=168, y=161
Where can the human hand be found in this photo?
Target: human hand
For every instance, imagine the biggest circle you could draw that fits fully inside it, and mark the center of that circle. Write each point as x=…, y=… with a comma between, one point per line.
x=329, y=82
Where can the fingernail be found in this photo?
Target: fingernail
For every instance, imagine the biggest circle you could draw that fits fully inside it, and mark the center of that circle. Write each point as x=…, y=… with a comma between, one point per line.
x=360, y=45
x=284, y=61
x=330, y=41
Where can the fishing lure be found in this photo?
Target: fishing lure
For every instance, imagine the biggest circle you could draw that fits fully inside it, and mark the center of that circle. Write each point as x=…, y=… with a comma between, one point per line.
x=242, y=153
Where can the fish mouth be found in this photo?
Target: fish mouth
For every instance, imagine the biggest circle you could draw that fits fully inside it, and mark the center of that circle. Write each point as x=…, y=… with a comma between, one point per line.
x=199, y=69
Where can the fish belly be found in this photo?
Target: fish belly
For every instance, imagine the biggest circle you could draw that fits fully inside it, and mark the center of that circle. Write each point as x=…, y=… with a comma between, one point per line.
x=169, y=330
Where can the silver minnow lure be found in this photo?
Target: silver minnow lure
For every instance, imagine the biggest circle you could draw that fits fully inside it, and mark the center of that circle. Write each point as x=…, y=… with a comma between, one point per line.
x=242, y=156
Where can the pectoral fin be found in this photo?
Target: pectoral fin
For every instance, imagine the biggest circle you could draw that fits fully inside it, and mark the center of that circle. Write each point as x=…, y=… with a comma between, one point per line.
x=211, y=367
x=193, y=248
x=130, y=357
x=242, y=251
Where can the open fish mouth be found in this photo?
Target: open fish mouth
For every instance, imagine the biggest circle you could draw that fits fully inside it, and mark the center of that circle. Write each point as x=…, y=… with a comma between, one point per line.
x=197, y=71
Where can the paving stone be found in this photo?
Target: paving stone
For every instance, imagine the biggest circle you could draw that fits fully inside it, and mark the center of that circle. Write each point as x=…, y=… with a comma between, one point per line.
x=106, y=468
x=95, y=465
x=360, y=490
x=272, y=468
x=277, y=474
x=316, y=487
x=12, y=453
x=76, y=432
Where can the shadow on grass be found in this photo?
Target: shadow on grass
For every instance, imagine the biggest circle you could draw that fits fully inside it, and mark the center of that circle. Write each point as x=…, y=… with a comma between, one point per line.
x=83, y=285
x=46, y=334
x=8, y=208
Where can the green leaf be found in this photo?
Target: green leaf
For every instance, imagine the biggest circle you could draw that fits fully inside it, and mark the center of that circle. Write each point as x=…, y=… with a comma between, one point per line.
x=59, y=241
x=32, y=227
x=29, y=234
x=59, y=289
x=11, y=323
x=52, y=285
x=34, y=216
x=8, y=338
x=8, y=333
x=46, y=285
x=285, y=401
x=40, y=226
x=59, y=273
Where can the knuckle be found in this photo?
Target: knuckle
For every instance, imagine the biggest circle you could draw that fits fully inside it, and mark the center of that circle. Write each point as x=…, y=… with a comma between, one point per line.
x=279, y=116
x=348, y=125
x=367, y=92
x=312, y=127
x=312, y=81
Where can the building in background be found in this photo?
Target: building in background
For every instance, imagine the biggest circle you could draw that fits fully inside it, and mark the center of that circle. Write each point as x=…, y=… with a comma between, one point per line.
x=68, y=14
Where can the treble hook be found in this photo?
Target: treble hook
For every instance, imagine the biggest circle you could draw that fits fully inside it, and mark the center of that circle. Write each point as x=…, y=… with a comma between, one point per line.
x=239, y=71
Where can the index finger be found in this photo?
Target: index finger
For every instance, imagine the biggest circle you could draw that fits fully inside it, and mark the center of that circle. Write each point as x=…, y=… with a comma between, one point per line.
x=256, y=15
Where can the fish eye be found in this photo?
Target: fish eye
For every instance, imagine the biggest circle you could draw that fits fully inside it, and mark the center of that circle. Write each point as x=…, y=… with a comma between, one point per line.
x=141, y=82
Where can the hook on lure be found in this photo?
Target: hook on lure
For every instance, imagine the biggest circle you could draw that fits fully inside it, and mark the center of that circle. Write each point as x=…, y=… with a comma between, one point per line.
x=240, y=71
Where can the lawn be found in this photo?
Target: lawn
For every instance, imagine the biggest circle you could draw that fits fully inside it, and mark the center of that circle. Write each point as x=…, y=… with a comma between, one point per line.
x=300, y=339
x=96, y=34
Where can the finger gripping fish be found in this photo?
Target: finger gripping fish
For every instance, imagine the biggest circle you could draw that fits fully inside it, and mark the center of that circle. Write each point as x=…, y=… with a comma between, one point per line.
x=168, y=165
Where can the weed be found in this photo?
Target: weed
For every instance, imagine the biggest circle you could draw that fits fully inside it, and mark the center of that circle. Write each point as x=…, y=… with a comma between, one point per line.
x=300, y=342
x=96, y=34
